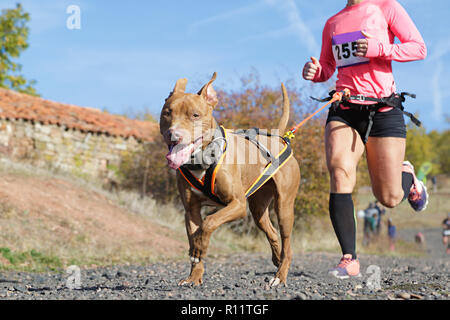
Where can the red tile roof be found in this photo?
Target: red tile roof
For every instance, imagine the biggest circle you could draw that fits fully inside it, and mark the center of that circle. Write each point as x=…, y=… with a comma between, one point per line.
x=14, y=105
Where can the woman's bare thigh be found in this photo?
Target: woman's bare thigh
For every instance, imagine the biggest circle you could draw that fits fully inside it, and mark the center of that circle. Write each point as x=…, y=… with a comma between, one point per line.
x=344, y=148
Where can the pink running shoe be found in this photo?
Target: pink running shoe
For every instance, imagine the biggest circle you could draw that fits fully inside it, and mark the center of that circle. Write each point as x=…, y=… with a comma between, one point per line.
x=418, y=195
x=346, y=268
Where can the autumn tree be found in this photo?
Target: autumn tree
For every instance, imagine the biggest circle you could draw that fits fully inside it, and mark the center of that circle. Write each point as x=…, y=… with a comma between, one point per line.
x=257, y=105
x=147, y=171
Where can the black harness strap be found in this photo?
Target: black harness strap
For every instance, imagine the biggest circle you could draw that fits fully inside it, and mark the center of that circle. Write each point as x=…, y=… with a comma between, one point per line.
x=274, y=163
x=205, y=187
x=395, y=100
x=271, y=168
x=250, y=135
x=370, y=125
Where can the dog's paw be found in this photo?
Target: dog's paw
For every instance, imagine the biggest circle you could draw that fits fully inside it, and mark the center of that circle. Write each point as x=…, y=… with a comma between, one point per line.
x=196, y=276
x=274, y=282
x=184, y=282
x=190, y=281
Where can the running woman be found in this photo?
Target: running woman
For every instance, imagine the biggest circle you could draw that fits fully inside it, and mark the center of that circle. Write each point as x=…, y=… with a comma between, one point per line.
x=359, y=42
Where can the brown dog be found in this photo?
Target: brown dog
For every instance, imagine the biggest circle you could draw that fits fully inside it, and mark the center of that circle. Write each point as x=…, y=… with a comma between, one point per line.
x=186, y=120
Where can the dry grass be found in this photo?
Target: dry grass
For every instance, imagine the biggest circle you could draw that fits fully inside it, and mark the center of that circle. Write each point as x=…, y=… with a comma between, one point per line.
x=402, y=248
x=51, y=220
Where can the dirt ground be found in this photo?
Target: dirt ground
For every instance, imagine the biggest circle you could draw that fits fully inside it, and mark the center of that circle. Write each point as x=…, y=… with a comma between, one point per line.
x=57, y=217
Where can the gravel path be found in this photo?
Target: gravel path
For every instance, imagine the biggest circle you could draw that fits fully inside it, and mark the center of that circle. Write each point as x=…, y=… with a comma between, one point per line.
x=243, y=276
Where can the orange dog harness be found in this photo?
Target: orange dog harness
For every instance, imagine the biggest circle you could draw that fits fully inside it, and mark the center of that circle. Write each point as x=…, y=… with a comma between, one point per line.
x=206, y=184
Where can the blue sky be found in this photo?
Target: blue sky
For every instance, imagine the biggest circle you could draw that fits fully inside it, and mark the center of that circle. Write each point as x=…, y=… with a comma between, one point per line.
x=128, y=54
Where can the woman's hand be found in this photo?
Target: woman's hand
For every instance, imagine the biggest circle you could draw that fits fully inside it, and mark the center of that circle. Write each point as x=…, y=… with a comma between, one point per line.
x=362, y=45
x=310, y=69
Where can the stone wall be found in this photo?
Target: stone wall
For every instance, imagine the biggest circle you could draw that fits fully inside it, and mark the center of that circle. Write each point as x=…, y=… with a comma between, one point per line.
x=92, y=155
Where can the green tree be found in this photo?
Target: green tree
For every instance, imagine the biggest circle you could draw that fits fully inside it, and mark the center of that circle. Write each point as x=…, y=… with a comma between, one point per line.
x=444, y=152
x=13, y=40
x=441, y=148
x=419, y=146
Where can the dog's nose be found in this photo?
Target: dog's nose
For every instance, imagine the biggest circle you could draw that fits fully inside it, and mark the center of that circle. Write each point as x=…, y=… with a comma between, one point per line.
x=174, y=135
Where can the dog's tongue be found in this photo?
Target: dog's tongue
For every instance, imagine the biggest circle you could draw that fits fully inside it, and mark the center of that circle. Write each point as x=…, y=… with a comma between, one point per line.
x=179, y=155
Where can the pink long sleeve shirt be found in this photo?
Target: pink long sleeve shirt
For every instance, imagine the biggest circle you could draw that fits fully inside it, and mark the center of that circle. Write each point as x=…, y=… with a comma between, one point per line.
x=370, y=76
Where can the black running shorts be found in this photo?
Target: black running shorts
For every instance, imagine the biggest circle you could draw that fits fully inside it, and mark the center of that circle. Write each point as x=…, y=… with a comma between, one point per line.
x=385, y=124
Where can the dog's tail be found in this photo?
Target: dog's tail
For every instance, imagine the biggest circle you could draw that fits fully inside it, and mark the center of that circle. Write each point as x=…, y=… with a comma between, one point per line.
x=286, y=108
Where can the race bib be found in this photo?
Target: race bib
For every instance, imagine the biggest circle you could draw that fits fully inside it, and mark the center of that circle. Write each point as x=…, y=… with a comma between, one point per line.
x=344, y=49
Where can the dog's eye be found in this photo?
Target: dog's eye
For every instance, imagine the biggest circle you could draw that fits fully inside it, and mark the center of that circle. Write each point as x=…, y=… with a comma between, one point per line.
x=195, y=116
x=166, y=112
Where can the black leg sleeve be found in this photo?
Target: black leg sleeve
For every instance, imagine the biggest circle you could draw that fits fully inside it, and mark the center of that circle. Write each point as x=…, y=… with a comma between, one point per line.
x=407, y=181
x=342, y=214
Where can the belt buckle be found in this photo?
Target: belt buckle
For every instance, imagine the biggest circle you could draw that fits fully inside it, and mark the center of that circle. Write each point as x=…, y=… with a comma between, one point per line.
x=360, y=97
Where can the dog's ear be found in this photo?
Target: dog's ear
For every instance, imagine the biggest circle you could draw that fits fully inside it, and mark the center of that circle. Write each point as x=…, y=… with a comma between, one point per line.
x=208, y=92
x=180, y=87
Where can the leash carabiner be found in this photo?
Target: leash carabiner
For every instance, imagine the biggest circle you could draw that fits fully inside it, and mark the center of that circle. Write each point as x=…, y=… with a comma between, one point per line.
x=337, y=96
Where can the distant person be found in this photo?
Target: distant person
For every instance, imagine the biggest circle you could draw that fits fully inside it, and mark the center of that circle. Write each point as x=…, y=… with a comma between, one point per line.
x=392, y=234
x=446, y=233
x=420, y=238
x=434, y=182
x=381, y=212
x=370, y=223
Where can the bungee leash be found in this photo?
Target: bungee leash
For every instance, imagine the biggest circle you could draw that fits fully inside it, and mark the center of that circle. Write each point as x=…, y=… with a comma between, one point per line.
x=337, y=96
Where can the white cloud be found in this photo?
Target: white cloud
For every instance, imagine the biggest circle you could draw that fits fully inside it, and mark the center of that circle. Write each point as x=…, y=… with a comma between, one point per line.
x=224, y=16
x=439, y=50
x=435, y=86
x=436, y=60
x=273, y=34
x=125, y=68
x=297, y=25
